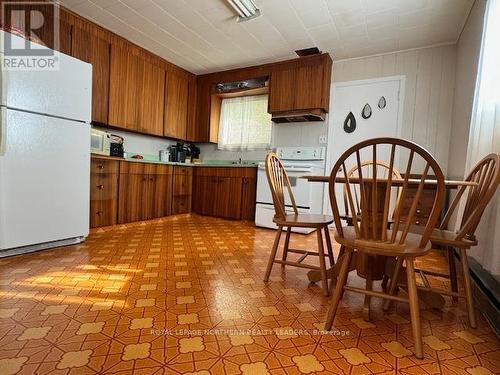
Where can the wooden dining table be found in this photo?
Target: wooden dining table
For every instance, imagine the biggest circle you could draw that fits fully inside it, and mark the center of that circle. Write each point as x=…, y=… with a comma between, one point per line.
x=380, y=265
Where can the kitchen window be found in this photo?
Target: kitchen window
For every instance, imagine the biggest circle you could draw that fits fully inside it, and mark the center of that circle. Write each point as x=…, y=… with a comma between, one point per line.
x=244, y=123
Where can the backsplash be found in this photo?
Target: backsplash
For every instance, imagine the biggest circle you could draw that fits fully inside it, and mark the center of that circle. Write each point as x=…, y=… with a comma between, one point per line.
x=140, y=144
x=289, y=134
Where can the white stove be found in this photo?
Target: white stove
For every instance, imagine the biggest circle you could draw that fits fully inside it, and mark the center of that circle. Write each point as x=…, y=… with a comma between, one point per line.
x=298, y=162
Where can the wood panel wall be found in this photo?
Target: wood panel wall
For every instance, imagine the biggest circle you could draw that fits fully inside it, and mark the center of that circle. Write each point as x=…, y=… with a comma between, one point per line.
x=430, y=84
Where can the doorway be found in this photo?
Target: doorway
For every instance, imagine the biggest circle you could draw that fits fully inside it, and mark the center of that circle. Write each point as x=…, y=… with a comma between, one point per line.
x=383, y=118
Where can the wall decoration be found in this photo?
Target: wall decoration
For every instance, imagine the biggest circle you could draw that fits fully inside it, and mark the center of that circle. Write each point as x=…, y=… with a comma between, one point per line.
x=350, y=123
x=366, y=113
x=382, y=102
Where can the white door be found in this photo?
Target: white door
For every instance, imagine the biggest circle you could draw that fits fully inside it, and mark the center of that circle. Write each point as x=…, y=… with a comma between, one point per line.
x=352, y=97
x=44, y=179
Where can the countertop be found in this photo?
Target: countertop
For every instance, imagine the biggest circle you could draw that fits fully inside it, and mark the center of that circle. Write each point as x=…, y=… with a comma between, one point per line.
x=208, y=163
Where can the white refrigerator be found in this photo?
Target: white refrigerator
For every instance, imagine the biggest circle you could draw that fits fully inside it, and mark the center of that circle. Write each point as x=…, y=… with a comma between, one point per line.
x=44, y=156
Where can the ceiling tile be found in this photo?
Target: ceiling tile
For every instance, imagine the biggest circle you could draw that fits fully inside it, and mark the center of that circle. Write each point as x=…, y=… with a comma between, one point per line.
x=203, y=35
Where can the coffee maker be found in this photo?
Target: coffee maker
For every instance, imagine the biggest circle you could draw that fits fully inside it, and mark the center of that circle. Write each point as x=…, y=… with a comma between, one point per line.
x=177, y=153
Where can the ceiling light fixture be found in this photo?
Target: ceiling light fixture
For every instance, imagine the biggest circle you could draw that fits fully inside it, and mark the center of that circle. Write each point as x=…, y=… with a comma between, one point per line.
x=246, y=9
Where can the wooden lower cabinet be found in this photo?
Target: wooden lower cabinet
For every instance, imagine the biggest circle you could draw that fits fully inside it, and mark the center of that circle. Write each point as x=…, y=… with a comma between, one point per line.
x=182, y=190
x=123, y=192
x=225, y=192
x=103, y=192
x=144, y=195
x=248, y=198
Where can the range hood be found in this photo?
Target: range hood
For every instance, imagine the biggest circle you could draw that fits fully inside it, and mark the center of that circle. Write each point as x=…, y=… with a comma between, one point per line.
x=303, y=115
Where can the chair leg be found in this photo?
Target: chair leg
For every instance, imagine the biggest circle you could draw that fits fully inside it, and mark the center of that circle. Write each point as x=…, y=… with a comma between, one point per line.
x=339, y=288
x=329, y=247
x=369, y=286
x=287, y=244
x=394, y=282
x=453, y=271
x=414, y=308
x=322, y=264
x=272, y=256
x=468, y=288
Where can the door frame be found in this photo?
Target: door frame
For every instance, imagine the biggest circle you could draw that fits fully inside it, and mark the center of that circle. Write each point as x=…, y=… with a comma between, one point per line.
x=399, y=126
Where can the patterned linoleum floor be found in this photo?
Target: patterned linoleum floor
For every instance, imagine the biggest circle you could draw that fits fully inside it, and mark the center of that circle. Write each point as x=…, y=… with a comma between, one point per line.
x=185, y=295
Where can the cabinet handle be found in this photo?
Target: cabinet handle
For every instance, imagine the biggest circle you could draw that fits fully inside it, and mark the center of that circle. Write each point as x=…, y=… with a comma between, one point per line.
x=101, y=187
x=99, y=213
x=419, y=211
x=150, y=178
x=417, y=222
x=100, y=166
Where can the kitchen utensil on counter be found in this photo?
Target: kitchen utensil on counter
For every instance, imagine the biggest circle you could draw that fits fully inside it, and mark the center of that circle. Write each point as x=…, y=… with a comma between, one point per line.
x=116, y=146
x=164, y=155
x=177, y=153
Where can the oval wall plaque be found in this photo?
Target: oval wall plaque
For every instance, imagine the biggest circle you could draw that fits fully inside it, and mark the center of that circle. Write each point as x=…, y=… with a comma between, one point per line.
x=367, y=111
x=350, y=123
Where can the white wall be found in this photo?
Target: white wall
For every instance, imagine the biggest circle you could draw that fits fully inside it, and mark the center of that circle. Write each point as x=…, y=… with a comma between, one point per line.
x=287, y=134
x=140, y=144
x=468, y=49
x=430, y=78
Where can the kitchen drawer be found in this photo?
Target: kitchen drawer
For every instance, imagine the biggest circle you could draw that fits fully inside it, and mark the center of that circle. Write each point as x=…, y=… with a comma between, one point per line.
x=103, y=212
x=131, y=167
x=103, y=199
x=181, y=204
x=183, y=171
x=104, y=166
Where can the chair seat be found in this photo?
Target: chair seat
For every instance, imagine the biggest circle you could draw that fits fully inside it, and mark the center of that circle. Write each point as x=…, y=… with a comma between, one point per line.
x=410, y=248
x=304, y=220
x=442, y=237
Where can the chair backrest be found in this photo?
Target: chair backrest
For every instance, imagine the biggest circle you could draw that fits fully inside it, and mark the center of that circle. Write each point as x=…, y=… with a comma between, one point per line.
x=278, y=183
x=366, y=170
x=376, y=191
x=486, y=174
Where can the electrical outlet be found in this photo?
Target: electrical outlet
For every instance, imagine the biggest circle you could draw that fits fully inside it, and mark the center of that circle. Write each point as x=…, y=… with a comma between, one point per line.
x=322, y=139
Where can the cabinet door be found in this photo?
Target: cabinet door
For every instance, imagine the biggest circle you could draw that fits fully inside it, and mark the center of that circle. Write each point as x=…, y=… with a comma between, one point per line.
x=282, y=90
x=200, y=188
x=203, y=107
x=162, y=194
x=131, y=194
x=248, y=198
x=151, y=99
x=103, y=199
x=148, y=198
x=125, y=76
x=176, y=100
x=309, y=84
x=228, y=197
x=194, y=131
x=95, y=51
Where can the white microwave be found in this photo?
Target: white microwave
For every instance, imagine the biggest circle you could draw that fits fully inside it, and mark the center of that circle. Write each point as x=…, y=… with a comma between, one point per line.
x=100, y=142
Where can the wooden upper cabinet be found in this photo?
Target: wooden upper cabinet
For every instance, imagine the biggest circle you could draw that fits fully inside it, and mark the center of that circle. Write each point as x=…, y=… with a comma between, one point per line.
x=151, y=99
x=301, y=84
x=176, y=105
x=96, y=51
x=125, y=84
x=282, y=92
x=309, y=81
x=203, y=109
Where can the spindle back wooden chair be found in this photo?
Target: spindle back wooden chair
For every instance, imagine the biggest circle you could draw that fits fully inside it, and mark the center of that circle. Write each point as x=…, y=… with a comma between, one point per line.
x=473, y=199
x=370, y=236
x=280, y=186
